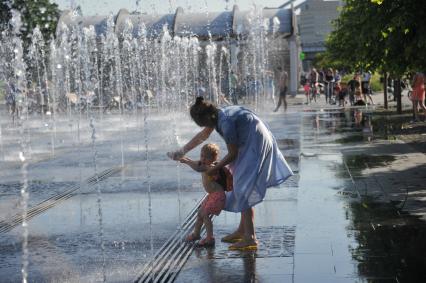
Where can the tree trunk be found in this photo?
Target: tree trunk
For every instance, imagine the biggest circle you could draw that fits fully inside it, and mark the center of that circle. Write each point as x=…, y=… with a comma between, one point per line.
x=397, y=90
x=385, y=89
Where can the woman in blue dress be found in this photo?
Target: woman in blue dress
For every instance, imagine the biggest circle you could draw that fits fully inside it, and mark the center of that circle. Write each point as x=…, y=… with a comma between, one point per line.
x=253, y=157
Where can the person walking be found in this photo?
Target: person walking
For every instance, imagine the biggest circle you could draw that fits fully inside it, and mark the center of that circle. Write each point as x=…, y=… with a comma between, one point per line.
x=282, y=87
x=253, y=157
x=313, y=80
x=329, y=85
x=418, y=95
x=366, y=87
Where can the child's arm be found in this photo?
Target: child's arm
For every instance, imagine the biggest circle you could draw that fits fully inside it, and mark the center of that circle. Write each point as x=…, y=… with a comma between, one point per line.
x=195, y=165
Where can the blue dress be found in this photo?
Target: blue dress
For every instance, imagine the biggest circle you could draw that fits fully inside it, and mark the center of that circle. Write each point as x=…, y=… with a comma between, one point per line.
x=259, y=165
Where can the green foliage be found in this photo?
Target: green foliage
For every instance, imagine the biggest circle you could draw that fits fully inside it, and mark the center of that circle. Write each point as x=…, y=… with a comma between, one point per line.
x=380, y=35
x=324, y=61
x=375, y=83
x=34, y=13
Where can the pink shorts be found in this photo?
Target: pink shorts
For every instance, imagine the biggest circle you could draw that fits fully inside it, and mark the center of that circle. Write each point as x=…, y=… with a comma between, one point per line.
x=307, y=88
x=214, y=203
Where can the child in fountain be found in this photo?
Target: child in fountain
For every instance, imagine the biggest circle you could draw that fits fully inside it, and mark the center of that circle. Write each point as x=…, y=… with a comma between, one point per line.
x=215, y=187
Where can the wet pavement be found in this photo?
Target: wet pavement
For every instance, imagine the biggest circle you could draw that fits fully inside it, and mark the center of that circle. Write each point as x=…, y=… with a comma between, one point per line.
x=340, y=224
x=346, y=216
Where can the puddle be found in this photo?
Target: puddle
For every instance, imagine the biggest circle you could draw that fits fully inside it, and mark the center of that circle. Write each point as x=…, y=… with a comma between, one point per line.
x=390, y=245
x=357, y=163
x=351, y=139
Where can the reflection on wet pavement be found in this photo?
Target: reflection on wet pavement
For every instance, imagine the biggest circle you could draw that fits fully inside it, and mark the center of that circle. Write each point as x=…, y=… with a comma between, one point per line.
x=273, y=242
x=391, y=247
x=334, y=221
x=385, y=244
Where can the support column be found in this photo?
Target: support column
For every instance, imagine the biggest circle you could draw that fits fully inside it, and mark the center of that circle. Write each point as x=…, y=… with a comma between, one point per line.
x=234, y=56
x=294, y=63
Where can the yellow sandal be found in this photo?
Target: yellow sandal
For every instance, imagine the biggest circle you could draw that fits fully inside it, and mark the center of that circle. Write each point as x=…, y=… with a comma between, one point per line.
x=239, y=247
x=231, y=239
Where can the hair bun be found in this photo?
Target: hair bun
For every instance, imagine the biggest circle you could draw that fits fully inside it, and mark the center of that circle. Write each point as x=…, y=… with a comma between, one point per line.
x=199, y=100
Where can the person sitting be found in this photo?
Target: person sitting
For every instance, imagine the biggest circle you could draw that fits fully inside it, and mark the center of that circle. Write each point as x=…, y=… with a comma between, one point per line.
x=359, y=101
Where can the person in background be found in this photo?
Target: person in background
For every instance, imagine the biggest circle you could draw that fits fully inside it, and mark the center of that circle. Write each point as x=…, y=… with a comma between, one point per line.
x=329, y=85
x=313, y=80
x=341, y=95
x=269, y=85
x=307, y=89
x=366, y=86
x=418, y=95
x=282, y=88
x=353, y=85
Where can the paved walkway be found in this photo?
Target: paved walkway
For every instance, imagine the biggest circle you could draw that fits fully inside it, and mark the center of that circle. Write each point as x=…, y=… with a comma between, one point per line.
x=350, y=219
x=347, y=215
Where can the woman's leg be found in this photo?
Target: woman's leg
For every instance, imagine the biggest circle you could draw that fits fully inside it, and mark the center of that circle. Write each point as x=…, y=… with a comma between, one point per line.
x=422, y=106
x=279, y=103
x=285, y=102
x=371, y=98
x=237, y=234
x=416, y=109
x=249, y=237
x=248, y=222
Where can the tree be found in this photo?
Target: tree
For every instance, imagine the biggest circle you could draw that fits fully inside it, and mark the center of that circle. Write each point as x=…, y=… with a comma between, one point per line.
x=381, y=35
x=34, y=13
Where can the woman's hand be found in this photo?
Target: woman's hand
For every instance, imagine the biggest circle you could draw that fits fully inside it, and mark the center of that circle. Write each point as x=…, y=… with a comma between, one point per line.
x=176, y=155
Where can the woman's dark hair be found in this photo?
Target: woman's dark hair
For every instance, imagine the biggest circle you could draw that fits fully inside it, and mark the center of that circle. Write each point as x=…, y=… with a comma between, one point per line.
x=203, y=113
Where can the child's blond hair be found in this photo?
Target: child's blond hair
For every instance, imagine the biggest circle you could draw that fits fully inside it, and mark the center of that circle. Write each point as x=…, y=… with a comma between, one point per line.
x=211, y=150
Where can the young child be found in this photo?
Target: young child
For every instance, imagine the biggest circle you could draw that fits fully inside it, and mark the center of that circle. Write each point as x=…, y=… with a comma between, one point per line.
x=307, y=89
x=215, y=186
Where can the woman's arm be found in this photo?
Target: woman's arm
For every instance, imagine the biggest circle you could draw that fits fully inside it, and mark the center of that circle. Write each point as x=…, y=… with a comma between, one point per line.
x=228, y=158
x=195, y=141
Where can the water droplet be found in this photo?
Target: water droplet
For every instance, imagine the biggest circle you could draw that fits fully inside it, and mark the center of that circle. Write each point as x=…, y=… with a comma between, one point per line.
x=59, y=66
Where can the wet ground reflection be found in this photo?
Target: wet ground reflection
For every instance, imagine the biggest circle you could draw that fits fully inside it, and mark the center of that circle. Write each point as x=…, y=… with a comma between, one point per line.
x=391, y=245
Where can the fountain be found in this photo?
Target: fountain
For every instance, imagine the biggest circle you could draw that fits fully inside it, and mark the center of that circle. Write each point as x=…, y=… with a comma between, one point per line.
x=132, y=76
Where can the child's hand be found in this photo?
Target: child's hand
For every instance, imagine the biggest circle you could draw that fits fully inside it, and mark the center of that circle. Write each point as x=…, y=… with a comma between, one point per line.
x=185, y=160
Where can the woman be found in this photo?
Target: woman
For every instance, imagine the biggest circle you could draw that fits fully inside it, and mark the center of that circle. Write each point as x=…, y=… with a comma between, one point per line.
x=418, y=95
x=253, y=156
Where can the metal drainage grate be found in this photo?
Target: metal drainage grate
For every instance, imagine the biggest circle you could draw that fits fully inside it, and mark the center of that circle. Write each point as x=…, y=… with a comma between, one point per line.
x=169, y=260
x=16, y=220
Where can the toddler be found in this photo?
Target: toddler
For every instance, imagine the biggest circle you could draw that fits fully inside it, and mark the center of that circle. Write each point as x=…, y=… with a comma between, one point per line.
x=215, y=187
